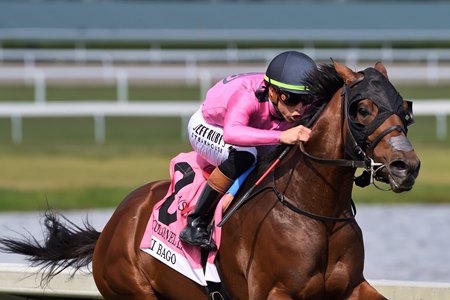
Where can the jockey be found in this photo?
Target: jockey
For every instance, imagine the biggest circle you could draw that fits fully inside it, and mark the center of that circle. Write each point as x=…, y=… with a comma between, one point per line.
x=240, y=114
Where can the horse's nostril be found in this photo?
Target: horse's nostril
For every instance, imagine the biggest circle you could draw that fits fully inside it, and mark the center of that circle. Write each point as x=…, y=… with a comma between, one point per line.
x=398, y=164
x=398, y=168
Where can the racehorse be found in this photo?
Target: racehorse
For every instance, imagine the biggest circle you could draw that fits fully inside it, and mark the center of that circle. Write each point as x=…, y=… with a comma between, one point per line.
x=294, y=238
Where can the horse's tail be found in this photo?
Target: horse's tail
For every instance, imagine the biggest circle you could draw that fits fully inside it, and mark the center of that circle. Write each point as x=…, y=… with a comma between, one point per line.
x=64, y=246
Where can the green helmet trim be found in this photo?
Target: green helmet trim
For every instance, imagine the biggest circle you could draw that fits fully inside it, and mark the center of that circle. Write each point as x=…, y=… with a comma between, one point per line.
x=285, y=85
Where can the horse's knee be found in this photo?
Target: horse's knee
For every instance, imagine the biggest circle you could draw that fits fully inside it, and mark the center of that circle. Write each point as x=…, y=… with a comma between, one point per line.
x=365, y=291
x=314, y=288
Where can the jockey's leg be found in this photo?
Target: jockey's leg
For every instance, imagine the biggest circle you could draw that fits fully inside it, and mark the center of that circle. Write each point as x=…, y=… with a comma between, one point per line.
x=196, y=233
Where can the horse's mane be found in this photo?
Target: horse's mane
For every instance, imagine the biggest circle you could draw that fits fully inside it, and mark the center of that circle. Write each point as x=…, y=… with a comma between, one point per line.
x=323, y=85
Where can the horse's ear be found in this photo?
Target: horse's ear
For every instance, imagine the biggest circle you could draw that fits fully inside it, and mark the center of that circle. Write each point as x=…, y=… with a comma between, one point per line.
x=408, y=110
x=345, y=73
x=381, y=68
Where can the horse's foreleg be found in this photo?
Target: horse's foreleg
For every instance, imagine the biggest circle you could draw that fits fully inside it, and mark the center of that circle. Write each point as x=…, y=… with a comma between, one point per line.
x=277, y=294
x=364, y=291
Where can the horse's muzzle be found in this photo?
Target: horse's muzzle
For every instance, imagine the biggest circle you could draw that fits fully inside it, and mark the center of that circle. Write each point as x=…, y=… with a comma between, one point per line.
x=402, y=174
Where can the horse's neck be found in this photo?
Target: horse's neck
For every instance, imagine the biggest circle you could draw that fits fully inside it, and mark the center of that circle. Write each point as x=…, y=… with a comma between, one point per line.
x=327, y=133
x=330, y=183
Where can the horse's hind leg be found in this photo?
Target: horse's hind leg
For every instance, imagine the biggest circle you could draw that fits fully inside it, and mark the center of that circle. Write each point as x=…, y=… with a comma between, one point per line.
x=117, y=268
x=364, y=291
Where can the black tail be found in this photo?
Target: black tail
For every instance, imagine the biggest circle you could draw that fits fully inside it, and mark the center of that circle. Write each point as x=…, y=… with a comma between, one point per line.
x=64, y=246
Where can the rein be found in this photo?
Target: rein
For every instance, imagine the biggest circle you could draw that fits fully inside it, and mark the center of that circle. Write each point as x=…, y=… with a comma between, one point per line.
x=288, y=203
x=368, y=176
x=250, y=194
x=365, y=163
x=335, y=162
x=370, y=167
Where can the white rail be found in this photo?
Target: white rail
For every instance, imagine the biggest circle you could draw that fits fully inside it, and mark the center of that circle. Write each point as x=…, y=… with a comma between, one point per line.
x=228, y=55
x=99, y=110
x=20, y=280
x=190, y=74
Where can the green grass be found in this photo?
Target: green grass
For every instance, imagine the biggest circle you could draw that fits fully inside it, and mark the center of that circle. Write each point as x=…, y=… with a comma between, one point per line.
x=100, y=93
x=59, y=163
x=83, y=176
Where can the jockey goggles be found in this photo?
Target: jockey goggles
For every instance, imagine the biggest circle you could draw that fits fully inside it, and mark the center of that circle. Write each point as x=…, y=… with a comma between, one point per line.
x=291, y=99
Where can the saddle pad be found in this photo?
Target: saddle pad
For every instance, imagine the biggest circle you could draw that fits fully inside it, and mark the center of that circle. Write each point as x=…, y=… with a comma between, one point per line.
x=167, y=220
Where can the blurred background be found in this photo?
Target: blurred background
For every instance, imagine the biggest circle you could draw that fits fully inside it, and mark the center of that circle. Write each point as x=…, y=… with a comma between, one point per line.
x=95, y=94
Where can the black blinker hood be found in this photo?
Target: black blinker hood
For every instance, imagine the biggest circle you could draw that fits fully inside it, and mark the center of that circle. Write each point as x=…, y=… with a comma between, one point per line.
x=376, y=87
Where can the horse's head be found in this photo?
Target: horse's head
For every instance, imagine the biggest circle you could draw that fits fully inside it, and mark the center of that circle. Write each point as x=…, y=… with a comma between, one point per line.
x=377, y=120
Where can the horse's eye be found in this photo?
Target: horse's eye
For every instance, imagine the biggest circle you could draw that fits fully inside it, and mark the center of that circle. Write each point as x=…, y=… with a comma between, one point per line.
x=363, y=111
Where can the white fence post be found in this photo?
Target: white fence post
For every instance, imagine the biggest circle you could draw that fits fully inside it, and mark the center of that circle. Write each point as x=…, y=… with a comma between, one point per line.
x=108, y=72
x=122, y=86
x=99, y=120
x=40, y=93
x=191, y=69
x=29, y=60
x=205, y=83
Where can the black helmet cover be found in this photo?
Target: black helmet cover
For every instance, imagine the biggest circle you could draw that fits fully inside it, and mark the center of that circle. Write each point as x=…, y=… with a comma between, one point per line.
x=288, y=71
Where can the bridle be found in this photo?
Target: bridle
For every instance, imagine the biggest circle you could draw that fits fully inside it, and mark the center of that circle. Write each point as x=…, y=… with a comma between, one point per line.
x=353, y=149
x=358, y=152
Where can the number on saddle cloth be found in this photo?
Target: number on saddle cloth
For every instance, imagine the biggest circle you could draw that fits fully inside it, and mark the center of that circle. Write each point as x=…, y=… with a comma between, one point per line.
x=188, y=179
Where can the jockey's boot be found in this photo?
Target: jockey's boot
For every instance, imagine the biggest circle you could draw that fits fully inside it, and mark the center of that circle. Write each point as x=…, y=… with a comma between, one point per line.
x=196, y=233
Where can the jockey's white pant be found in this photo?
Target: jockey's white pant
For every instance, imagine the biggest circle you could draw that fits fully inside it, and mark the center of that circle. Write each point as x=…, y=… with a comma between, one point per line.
x=207, y=140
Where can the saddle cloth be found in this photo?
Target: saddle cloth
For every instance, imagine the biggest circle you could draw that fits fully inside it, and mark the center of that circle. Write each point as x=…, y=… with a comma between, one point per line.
x=169, y=217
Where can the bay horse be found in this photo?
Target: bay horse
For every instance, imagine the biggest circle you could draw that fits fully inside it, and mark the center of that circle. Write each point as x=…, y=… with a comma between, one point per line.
x=295, y=238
